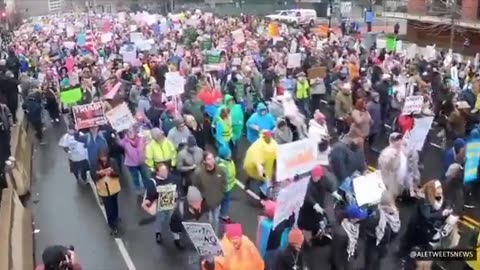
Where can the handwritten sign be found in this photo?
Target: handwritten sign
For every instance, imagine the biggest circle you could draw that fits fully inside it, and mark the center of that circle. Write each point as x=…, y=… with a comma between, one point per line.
x=174, y=84
x=120, y=117
x=89, y=115
x=294, y=60
x=167, y=196
x=296, y=158
x=289, y=200
x=413, y=104
x=203, y=238
x=368, y=188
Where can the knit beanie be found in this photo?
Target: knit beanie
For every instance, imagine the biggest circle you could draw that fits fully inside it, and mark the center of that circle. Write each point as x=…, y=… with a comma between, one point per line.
x=193, y=195
x=296, y=237
x=458, y=144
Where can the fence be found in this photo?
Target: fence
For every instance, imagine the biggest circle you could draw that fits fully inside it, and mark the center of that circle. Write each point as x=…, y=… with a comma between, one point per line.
x=16, y=229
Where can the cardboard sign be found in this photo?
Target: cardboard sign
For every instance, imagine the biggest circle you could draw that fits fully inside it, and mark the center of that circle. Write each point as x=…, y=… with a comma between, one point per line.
x=413, y=104
x=368, y=188
x=71, y=95
x=174, y=84
x=89, y=115
x=294, y=60
x=120, y=117
x=167, y=197
x=317, y=72
x=203, y=238
x=296, y=158
x=289, y=200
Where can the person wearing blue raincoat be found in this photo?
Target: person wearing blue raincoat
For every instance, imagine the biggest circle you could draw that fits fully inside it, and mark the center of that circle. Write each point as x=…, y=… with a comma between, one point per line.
x=260, y=120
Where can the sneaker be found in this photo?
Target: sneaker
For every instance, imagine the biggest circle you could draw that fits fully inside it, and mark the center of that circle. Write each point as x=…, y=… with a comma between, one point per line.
x=114, y=232
x=227, y=220
x=158, y=238
x=179, y=244
x=469, y=206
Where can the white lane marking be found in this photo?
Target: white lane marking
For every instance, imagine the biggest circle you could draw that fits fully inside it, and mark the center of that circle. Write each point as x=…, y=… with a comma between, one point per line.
x=121, y=246
x=249, y=192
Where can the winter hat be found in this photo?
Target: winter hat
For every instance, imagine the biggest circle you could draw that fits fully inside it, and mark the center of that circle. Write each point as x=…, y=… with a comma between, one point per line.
x=318, y=171
x=387, y=198
x=458, y=144
x=395, y=137
x=296, y=237
x=234, y=230
x=191, y=141
x=179, y=121
x=156, y=133
x=355, y=212
x=269, y=208
x=318, y=115
x=170, y=106
x=194, y=195
x=224, y=152
x=267, y=134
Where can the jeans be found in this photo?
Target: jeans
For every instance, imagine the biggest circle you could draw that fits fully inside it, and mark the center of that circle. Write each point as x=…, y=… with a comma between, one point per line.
x=214, y=218
x=270, y=258
x=52, y=107
x=162, y=220
x=139, y=176
x=111, y=209
x=225, y=205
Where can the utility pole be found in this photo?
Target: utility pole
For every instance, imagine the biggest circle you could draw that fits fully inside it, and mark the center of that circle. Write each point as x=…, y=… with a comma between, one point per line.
x=453, y=12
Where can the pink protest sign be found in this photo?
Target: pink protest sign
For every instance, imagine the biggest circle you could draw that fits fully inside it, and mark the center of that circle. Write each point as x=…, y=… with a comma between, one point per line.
x=69, y=64
x=113, y=92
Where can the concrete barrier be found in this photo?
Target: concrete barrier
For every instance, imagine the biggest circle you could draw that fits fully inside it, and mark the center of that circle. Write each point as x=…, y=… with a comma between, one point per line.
x=16, y=228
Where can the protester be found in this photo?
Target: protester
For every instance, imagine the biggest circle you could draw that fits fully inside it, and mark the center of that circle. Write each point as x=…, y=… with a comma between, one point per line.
x=292, y=257
x=240, y=253
x=77, y=155
x=225, y=162
x=259, y=121
x=160, y=150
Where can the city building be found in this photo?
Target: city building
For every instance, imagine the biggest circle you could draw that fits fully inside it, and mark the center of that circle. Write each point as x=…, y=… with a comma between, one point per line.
x=446, y=23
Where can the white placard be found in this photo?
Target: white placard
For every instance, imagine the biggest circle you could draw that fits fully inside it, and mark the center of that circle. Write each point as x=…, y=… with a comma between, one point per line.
x=106, y=37
x=413, y=104
x=415, y=139
x=238, y=36
x=70, y=31
x=203, y=238
x=289, y=201
x=296, y=158
x=174, y=84
x=122, y=17
x=430, y=52
x=120, y=117
x=236, y=61
x=136, y=37
x=293, y=46
x=345, y=8
x=294, y=60
x=411, y=51
x=213, y=67
x=69, y=44
x=381, y=43
x=368, y=188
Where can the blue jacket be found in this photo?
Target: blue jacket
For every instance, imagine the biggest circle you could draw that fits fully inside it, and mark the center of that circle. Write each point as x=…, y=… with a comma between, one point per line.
x=448, y=159
x=264, y=122
x=93, y=145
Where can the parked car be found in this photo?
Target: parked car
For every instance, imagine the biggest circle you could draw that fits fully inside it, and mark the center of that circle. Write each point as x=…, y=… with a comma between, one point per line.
x=296, y=17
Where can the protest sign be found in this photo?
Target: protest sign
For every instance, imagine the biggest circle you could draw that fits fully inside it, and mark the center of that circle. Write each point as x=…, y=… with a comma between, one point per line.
x=106, y=37
x=203, y=238
x=238, y=36
x=89, y=115
x=381, y=43
x=236, y=61
x=413, y=104
x=429, y=53
x=71, y=95
x=129, y=53
x=213, y=67
x=113, y=92
x=317, y=72
x=70, y=31
x=167, y=197
x=415, y=139
x=391, y=44
x=289, y=200
x=472, y=157
x=296, y=158
x=136, y=37
x=120, y=117
x=411, y=51
x=294, y=60
x=174, y=84
x=214, y=57
x=368, y=188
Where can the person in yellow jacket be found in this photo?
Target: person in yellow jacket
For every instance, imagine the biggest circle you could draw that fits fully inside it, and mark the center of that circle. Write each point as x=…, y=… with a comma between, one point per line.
x=302, y=94
x=160, y=150
x=260, y=159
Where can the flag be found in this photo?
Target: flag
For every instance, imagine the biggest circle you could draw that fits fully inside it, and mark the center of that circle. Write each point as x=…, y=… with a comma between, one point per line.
x=90, y=41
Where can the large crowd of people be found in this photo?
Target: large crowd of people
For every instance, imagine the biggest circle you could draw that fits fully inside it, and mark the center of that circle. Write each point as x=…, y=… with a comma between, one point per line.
x=172, y=101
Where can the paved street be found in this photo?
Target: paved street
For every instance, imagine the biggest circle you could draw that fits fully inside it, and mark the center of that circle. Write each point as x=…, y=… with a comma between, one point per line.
x=67, y=213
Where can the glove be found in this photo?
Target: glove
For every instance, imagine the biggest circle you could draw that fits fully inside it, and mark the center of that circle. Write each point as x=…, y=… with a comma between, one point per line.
x=337, y=196
x=318, y=208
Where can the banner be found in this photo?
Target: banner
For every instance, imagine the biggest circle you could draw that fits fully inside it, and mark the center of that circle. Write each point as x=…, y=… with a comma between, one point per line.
x=120, y=117
x=415, y=138
x=89, y=115
x=289, y=200
x=174, y=84
x=413, y=104
x=296, y=158
x=203, y=238
x=472, y=154
x=167, y=197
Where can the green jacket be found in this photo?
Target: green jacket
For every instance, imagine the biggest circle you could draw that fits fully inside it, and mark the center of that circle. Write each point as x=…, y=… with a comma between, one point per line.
x=228, y=166
x=237, y=115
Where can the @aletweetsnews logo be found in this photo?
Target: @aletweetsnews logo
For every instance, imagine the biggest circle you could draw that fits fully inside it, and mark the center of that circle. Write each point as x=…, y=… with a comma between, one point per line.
x=444, y=255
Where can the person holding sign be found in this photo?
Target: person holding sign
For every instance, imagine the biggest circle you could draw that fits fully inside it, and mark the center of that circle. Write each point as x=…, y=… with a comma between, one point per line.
x=240, y=252
x=165, y=198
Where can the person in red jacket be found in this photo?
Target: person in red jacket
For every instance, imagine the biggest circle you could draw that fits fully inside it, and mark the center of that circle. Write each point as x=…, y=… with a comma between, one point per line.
x=405, y=123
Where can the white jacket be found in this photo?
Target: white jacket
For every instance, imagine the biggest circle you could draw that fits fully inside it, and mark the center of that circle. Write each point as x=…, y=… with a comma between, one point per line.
x=317, y=132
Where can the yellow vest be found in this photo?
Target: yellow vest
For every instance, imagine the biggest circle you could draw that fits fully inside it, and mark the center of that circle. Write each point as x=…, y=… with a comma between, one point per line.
x=302, y=90
x=227, y=133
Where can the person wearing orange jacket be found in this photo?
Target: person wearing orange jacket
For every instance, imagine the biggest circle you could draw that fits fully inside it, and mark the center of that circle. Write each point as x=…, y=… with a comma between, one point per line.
x=239, y=252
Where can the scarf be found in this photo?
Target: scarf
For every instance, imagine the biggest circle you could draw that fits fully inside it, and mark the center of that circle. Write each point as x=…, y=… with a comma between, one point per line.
x=393, y=220
x=352, y=231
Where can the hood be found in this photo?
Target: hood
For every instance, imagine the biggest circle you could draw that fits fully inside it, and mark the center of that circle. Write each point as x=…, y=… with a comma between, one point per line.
x=227, y=99
x=475, y=134
x=261, y=106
